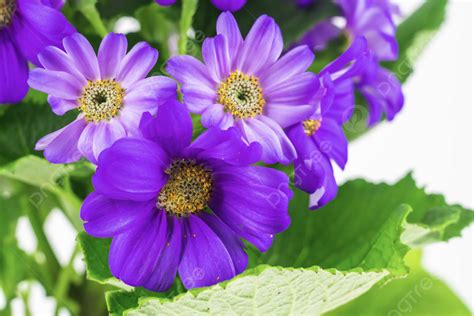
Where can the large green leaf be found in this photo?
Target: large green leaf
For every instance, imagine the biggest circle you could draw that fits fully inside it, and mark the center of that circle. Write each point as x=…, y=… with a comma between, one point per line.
x=419, y=294
x=269, y=290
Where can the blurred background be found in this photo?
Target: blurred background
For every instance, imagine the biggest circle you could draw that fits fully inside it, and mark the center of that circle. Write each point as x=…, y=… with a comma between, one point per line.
x=431, y=137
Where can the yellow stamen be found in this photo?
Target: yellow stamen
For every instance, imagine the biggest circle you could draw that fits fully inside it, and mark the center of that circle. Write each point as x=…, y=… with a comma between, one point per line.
x=7, y=10
x=188, y=189
x=101, y=100
x=241, y=95
x=311, y=126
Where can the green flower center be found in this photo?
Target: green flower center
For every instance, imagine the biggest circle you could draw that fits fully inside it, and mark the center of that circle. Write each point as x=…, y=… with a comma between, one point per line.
x=101, y=100
x=7, y=10
x=241, y=95
x=188, y=189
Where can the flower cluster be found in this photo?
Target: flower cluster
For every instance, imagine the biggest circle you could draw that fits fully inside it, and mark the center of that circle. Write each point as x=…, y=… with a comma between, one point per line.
x=176, y=205
x=373, y=20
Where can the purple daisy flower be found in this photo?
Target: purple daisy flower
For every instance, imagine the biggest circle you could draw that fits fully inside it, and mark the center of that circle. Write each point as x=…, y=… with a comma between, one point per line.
x=248, y=85
x=223, y=5
x=321, y=139
x=372, y=19
x=176, y=206
x=109, y=90
x=26, y=28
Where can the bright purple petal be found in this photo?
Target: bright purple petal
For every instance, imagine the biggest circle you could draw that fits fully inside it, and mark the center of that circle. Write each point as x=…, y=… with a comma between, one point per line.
x=137, y=64
x=111, y=53
x=81, y=52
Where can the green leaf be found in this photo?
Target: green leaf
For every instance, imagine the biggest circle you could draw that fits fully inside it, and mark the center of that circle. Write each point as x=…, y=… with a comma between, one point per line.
x=359, y=228
x=419, y=294
x=24, y=124
x=96, y=257
x=269, y=290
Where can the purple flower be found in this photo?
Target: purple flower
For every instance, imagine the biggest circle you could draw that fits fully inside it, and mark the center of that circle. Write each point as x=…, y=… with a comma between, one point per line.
x=248, y=85
x=382, y=90
x=321, y=139
x=109, y=90
x=223, y=5
x=176, y=206
x=26, y=28
x=320, y=35
x=372, y=19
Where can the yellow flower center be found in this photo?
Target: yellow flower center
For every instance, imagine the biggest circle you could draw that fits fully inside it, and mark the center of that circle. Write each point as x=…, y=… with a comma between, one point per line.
x=311, y=126
x=241, y=95
x=101, y=100
x=188, y=189
x=7, y=10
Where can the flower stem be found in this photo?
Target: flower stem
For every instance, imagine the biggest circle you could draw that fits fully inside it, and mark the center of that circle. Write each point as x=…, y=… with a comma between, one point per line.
x=93, y=16
x=187, y=13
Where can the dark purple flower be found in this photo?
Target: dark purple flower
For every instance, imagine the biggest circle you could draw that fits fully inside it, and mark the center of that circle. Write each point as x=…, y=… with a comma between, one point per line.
x=223, y=5
x=320, y=35
x=372, y=19
x=382, y=90
x=109, y=90
x=248, y=84
x=176, y=206
x=321, y=139
x=26, y=28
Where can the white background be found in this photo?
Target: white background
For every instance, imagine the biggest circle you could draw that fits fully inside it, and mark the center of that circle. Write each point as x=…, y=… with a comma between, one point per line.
x=432, y=137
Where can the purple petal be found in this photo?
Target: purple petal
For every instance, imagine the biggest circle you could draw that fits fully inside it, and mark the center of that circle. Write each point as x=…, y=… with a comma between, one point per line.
x=229, y=5
x=134, y=254
x=131, y=169
x=56, y=83
x=61, y=146
x=231, y=240
x=198, y=97
x=61, y=106
x=111, y=53
x=38, y=27
x=217, y=58
x=226, y=146
x=166, y=268
x=262, y=47
x=13, y=71
x=105, y=135
x=293, y=63
x=83, y=56
x=328, y=191
x=148, y=94
x=190, y=71
x=85, y=142
x=172, y=128
x=249, y=205
x=54, y=59
x=213, y=116
x=275, y=144
x=106, y=217
x=205, y=260
x=332, y=141
x=227, y=26
x=137, y=64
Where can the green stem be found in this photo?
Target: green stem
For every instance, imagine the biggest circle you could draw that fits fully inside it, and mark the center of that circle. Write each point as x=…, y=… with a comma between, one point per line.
x=43, y=242
x=93, y=16
x=187, y=13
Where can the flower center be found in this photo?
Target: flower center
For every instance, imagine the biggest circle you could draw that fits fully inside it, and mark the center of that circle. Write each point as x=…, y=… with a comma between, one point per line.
x=188, y=189
x=241, y=95
x=311, y=126
x=101, y=100
x=7, y=10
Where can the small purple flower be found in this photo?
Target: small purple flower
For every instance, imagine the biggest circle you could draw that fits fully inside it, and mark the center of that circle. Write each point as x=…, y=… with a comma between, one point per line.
x=372, y=19
x=382, y=90
x=26, y=28
x=223, y=5
x=176, y=206
x=321, y=139
x=248, y=85
x=109, y=90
